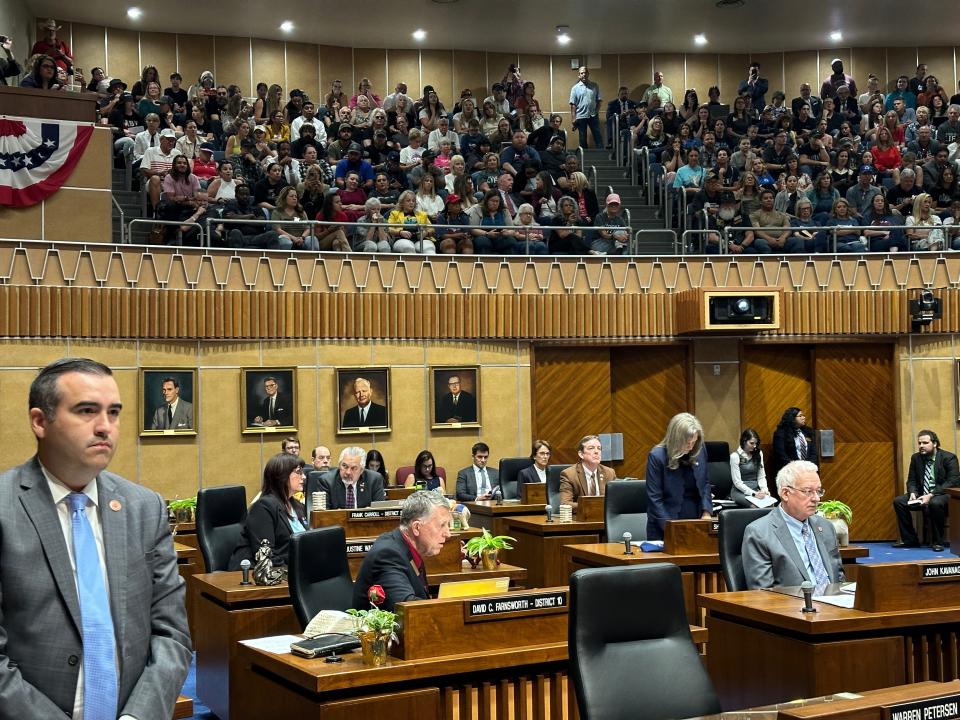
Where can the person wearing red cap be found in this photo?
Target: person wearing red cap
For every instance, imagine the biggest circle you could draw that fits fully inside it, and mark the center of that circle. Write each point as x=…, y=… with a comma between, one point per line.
x=612, y=235
x=453, y=228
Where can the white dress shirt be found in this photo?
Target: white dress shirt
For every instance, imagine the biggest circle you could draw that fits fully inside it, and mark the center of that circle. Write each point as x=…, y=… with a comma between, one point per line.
x=483, y=480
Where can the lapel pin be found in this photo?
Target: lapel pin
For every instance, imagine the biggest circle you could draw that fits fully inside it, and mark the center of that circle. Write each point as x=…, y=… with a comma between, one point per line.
x=115, y=505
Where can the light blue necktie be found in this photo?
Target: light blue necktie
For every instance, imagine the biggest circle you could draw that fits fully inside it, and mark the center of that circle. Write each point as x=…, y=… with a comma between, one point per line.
x=820, y=575
x=99, y=662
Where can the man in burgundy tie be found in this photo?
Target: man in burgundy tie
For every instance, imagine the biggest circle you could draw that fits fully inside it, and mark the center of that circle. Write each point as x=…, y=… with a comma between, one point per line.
x=350, y=486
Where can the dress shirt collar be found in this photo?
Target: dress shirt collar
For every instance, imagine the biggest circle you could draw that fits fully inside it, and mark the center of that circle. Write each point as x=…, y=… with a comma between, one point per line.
x=60, y=491
x=417, y=559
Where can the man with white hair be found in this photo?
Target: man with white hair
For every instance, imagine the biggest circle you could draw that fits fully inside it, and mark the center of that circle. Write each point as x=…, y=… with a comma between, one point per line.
x=395, y=563
x=792, y=544
x=350, y=485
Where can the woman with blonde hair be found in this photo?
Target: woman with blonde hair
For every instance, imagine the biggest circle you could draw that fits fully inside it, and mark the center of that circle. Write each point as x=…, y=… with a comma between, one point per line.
x=677, y=486
x=410, y=227
x=923, y=226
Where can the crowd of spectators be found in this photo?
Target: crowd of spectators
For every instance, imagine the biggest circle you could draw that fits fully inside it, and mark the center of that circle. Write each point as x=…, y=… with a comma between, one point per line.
x=408, y=174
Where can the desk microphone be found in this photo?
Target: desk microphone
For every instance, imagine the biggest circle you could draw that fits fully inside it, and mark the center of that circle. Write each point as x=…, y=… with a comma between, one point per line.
x=498, y=495
x=549, y=511
x=806, y=587
x=245, y=569
x=627, y=548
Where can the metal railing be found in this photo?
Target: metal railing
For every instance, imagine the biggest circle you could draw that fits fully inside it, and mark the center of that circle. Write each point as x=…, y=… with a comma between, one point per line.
x=658, y=233
x=592, y=177
x=833, y=231
x=123, y=227
x=615, y=140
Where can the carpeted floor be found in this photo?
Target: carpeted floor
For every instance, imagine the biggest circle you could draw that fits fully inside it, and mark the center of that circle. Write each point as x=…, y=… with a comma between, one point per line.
x=879, y=552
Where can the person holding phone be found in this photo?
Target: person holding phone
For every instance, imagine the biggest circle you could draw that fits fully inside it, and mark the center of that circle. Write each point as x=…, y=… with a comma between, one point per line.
x=8, y=63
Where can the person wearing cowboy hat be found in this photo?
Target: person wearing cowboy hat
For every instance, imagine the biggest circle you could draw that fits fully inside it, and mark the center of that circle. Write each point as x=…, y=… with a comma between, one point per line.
x=51, y=45
x=111, y=101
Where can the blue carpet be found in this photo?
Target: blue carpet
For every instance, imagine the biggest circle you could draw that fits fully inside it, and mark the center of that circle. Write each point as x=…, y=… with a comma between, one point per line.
x=885, y=552
x=200, y=711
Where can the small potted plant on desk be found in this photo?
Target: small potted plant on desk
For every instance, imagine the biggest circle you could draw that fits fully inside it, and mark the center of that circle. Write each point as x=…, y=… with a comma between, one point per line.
x=840, y=516
x=487, y=546
x=183, y=510
x=375, y=628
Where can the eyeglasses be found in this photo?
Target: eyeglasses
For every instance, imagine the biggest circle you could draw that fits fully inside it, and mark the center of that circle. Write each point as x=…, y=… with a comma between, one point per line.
x=809, y=492
x=300, y=471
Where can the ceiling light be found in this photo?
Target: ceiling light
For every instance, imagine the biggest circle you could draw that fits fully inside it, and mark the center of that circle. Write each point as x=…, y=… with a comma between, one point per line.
x=563, y=34
x=286, y=26
x=134, y=13
x=836, y=36
x=700, y=39
x=419, y=34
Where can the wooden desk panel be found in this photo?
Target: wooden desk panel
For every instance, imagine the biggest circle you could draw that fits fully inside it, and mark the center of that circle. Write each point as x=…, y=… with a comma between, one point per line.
x=183, y=708
x=953, y=512
x=539, y=546
x=790, y=654
x=189, y=562
x=487, y=514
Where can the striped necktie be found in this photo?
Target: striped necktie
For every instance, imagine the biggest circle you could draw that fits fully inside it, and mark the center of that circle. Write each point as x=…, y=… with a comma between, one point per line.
x=929, y=481
x=820, y=575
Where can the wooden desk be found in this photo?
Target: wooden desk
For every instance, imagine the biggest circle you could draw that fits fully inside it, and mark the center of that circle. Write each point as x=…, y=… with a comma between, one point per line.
x=539, y=546
x=226, y=612
x=508, y=672
x=762, y=636
x=189, y=562
x=183, y=708
x=354, y=525
x=399, y=492
x=701, y=572
x=487, y=514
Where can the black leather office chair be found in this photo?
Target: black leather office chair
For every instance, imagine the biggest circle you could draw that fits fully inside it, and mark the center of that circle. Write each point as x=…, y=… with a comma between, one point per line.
x=553, y=485
x=625, y=509
x=733, y=522
x=638, y=651
x=312, y=483
x=718, y=469
x=319, y=574
x=221, y=512
x=509, y=470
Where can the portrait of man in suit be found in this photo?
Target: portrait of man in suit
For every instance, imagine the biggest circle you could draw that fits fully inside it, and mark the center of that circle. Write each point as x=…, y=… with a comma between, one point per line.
x=175, y=413
x=455, y=396
x=168, y=401
x=363, y=399
x=93, y=617
x=269, y=399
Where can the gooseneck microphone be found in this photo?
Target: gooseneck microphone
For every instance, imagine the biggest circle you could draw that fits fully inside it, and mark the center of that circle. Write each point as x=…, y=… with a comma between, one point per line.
x=806, y=587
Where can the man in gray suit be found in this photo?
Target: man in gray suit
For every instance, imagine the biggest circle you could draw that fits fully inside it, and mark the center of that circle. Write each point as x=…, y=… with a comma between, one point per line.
x=92, y=617
x=792, y=543
x=175, y=413
x=477, y=482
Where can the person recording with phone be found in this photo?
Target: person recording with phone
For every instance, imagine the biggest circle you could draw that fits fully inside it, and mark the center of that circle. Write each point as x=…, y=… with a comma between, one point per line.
x=8, y=64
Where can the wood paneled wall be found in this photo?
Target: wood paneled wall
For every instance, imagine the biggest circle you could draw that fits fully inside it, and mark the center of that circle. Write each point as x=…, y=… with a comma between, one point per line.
x=245, y=61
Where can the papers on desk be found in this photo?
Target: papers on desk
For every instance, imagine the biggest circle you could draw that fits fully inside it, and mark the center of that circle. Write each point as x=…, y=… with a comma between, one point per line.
x=761, y=502
x=648, y=545
x=844, y=600
x=276, y=644
x=848, y=587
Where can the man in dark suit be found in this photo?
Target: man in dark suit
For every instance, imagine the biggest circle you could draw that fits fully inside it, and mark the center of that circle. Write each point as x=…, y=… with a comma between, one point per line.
x=791, y=543
x=175, y=413
x=276, y=410
x=320, y=466
x=350, y=486
x=456, y=406
x=395, y=562
x=87, y=567
x=932, y=471
x=477, y=482
x=365, y=413
x=587, y=477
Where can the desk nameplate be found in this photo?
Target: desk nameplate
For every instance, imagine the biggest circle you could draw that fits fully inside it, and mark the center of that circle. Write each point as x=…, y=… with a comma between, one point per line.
x=939, y=708
x=355, y=515
x=942, y=572
x=504, y=607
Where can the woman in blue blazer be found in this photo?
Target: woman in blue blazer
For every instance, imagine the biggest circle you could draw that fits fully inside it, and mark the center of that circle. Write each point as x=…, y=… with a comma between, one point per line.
x=677, y=486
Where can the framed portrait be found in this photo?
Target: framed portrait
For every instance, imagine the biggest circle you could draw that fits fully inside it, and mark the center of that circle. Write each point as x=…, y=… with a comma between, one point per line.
x=268, y=396
x=168, y=401
x=454, y=393
x=363, y=400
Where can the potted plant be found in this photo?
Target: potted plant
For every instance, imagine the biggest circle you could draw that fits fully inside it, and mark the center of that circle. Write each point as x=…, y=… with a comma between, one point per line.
x=487, y=547
x=375, y=628
x=840, y=516
x=183, y=509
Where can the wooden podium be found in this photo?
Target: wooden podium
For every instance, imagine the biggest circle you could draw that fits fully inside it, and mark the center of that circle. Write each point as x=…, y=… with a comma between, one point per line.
x=590, y=508
x=688, y=537
x=533, y=493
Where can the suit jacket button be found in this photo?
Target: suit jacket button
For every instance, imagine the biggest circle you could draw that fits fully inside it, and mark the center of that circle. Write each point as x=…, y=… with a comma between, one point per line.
x=72, y=660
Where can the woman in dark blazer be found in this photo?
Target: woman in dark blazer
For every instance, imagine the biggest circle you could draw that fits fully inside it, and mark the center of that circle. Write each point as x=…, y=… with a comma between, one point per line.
x=793, y=440
x=277, y=515
x=677, y=486
x=536, y=473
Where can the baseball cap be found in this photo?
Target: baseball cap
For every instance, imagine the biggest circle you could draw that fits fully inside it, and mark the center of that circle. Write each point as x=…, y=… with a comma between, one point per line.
x=612, y=198
x=393, y=155
x=260, y=128
x=557, y=138
x=168, y=133
x=867, y=169
x=452, y=198
x=727, y=197
x=354, y=147
x=208, y=147
x=428, y=155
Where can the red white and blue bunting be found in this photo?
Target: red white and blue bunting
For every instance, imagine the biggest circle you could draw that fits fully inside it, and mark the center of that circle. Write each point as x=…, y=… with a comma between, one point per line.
x=37, y=157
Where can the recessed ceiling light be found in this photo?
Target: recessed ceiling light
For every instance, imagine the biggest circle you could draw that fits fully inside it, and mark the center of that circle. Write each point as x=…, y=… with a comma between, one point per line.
x=700, y=39
x=286, y=26
x=419, y=34
x=134, y=13
x=563, y=38
x=836, y=36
